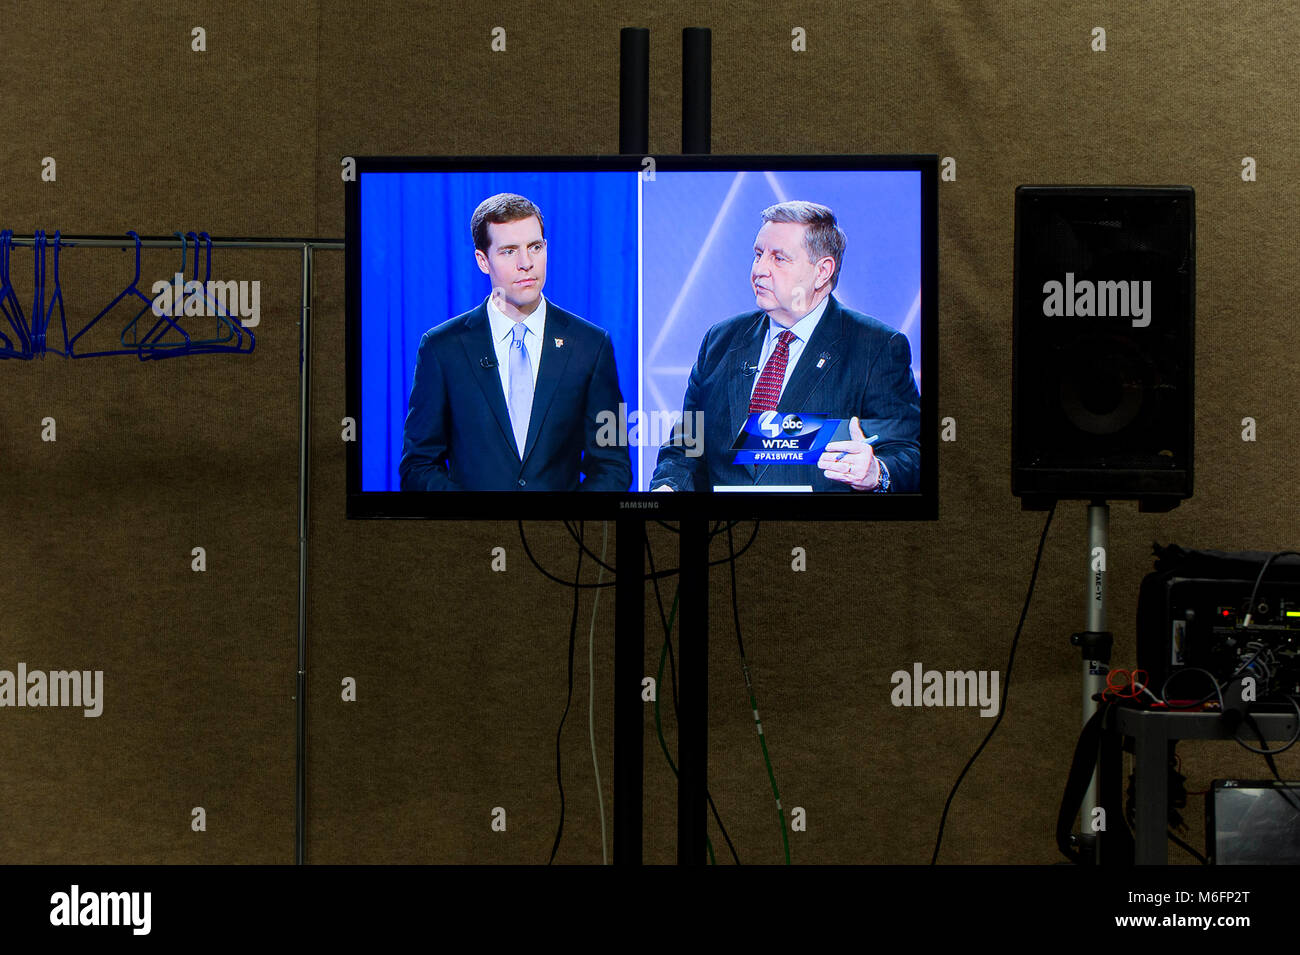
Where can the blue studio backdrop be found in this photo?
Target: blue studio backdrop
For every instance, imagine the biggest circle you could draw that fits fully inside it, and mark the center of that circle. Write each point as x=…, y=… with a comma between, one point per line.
x=418, y=271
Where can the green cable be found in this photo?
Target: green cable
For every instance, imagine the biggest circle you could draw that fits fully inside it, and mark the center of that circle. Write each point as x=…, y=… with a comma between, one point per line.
x=659, y=729
x=780, y=814
x=753, y=703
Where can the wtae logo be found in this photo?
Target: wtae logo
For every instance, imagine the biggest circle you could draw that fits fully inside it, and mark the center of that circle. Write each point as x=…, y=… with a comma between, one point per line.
x=102, y=908
x=1085, y=299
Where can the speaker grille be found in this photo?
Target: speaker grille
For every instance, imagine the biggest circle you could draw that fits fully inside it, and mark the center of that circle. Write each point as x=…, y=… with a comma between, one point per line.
x=1102, y=359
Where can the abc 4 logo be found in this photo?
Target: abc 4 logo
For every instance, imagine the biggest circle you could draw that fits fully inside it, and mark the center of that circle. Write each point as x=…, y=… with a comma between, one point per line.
x=774, y=425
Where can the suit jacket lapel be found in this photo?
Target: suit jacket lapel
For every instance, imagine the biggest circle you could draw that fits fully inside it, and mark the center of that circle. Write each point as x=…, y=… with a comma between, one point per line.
x=477, y=342
x=823, y=348
x=554, y=359
x=745, y=352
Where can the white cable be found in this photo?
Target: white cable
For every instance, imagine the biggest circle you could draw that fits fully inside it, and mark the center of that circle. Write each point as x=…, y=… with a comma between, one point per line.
x=1145, y=689
x=591, y=690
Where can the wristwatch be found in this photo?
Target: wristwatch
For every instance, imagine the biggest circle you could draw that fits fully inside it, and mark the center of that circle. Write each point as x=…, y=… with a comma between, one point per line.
x=883, y=484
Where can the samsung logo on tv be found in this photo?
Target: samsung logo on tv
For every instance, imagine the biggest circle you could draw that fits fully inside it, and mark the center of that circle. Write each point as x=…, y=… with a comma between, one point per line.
x=1085, y=299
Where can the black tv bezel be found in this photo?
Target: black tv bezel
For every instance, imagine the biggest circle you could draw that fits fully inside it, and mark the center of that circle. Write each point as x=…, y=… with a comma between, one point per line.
x=922, y=505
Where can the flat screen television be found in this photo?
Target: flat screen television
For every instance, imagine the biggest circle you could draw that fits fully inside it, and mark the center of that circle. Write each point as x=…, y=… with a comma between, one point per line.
x=729, y=337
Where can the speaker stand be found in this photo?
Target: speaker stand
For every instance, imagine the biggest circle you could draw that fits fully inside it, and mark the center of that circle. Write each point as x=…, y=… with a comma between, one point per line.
x=1094, y=645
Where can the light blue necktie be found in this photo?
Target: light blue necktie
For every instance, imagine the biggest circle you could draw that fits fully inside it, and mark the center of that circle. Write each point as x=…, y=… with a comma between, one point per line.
x=521, y=386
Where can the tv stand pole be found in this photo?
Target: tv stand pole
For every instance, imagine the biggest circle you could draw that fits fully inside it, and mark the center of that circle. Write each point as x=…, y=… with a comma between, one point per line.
x=630, y=540
x=693, y=539
x=693, y=588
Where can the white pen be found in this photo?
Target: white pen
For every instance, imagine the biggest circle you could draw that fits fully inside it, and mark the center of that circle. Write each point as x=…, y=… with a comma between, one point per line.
x=867, y=440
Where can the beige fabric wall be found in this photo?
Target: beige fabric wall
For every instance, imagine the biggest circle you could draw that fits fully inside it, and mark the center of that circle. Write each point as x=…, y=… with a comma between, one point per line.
x=461, y=672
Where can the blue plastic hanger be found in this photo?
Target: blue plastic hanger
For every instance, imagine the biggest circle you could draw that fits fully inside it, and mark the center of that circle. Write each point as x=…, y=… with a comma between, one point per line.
x=152, y=339
x=10, y=307
x=224, y=321
x=233, y=330
x=234, y=323
x=7, y=349
x=132, y=289
x=56, y=296
x=39, y=245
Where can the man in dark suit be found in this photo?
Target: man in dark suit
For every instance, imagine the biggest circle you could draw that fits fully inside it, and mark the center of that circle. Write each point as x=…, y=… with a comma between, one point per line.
x=802, y=352
x=506, y=396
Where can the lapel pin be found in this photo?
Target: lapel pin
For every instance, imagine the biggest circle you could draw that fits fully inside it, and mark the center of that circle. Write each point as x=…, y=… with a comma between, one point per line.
x=559, y=343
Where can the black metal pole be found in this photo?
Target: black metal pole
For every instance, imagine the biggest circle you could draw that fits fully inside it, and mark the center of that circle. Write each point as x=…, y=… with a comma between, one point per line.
x=693, y=693
x=693, y=686
x=629, y=668
x=634, y=91
x=629, y=547
x=304, y=444
x=697, y=89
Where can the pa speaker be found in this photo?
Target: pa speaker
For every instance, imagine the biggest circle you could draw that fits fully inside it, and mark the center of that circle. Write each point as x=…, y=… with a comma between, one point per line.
x=1102, y=345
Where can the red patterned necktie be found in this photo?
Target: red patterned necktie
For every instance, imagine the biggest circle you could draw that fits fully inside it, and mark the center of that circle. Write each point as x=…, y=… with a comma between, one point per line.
x=768, y=389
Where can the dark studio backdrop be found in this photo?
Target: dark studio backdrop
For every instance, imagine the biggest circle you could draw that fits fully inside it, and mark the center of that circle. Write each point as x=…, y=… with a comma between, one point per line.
x=460, y=671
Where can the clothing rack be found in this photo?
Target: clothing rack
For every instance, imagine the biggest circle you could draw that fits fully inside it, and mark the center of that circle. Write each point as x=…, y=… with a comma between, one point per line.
x=307, y=247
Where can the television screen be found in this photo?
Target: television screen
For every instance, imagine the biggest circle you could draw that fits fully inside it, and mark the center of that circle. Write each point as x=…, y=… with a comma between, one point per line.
x=732, y=337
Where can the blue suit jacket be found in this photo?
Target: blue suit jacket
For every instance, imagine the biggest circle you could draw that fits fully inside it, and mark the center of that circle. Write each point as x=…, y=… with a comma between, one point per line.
x=458, y=434
x=866, y=370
